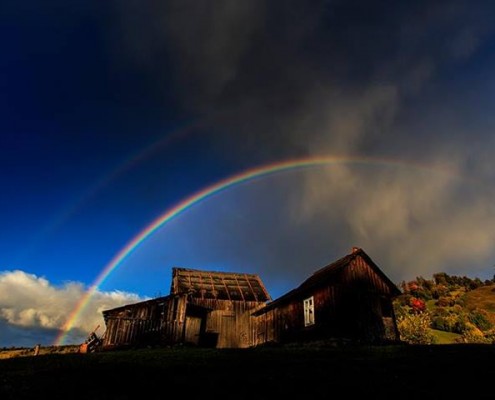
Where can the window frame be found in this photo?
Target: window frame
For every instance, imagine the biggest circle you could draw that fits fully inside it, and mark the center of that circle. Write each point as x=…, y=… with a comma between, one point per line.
x=309, y=311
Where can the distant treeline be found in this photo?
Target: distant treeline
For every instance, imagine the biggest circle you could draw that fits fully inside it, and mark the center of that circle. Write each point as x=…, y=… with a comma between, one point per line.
x=441, y=284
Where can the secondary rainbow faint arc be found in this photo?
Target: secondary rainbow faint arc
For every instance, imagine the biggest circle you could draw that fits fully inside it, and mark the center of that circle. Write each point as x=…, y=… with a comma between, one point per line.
x=239, y=178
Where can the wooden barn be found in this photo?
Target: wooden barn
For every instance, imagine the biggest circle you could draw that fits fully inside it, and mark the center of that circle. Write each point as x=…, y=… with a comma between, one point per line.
x=204, y=308
x=348, y=299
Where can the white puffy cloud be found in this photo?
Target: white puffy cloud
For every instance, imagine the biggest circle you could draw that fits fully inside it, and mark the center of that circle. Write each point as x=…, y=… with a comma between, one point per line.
x=34, y=310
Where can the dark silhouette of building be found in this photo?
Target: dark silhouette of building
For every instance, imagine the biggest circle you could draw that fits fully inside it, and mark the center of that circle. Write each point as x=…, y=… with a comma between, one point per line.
x=349, y=299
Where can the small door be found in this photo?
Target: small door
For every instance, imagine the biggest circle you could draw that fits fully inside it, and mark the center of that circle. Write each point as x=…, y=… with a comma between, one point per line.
x=193, y=329
x=227, y=337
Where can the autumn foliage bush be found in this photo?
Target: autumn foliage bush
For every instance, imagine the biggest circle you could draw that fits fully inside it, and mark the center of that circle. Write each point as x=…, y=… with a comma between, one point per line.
x=414, y=327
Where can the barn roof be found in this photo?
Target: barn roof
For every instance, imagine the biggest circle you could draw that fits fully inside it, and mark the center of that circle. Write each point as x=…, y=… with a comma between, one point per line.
x=156, y=300
x=326, y=274
x=218, y=285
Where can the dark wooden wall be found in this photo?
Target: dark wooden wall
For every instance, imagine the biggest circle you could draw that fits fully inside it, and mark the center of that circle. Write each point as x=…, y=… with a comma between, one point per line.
x=228, y=323
x=177, y=319
x=155, y=321
x=354, y=303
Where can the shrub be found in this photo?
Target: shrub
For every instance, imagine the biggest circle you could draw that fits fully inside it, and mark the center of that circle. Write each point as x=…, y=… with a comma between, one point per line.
x=439, y=323
x=402, y=300
x=417, y=305
x=449, y=322
x=490, y=335
x=444, y=301
x=479, y=318
x=473, y=335
x=415, y=328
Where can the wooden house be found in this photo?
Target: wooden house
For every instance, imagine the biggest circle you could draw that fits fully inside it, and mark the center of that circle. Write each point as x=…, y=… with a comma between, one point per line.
x=348, y=299
x=204, y=308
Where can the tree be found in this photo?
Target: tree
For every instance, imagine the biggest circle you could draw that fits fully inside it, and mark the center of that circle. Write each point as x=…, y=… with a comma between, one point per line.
x=417, y=305
x=441, y=278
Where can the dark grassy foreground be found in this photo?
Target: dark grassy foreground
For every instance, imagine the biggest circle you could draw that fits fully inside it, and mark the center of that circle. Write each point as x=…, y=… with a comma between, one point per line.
x=397, y=372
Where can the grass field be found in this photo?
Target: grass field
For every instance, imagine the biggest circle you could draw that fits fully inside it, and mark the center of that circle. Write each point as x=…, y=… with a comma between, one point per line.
x=44, y=350
x=263, y=373
x=442, y=337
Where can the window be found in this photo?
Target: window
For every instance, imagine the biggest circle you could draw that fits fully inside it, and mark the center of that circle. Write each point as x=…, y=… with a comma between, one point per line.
x=309, y=311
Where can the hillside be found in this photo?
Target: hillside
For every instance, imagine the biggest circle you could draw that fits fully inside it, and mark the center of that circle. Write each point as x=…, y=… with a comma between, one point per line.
x=447, y=309
x=483, y=298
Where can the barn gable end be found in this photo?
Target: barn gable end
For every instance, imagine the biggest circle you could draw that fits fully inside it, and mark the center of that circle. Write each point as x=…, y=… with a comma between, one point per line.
x=350, y=298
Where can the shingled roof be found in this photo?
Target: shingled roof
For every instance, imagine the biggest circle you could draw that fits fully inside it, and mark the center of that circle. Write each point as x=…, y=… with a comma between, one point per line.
x=218, y=285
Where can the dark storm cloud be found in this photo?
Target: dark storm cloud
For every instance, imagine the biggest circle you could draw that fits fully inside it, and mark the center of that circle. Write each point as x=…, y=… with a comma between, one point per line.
x=290, y=74
x=383, y=79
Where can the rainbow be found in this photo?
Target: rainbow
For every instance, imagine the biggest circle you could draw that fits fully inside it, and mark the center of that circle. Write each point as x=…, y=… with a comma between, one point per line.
x=209, y=191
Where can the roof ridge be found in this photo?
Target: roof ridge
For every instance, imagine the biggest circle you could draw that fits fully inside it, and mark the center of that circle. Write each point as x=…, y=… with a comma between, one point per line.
x=219, y=285
x=179, y=269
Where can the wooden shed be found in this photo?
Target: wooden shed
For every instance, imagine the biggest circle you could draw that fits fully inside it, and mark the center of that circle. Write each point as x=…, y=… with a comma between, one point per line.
x=348, y=299
x=204, y=308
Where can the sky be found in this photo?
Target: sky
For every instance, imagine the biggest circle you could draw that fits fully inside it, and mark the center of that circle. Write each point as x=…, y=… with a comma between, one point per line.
x=114, y=112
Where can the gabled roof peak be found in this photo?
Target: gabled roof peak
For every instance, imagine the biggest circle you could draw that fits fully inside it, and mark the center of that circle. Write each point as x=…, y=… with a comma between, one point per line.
x=329, y=272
